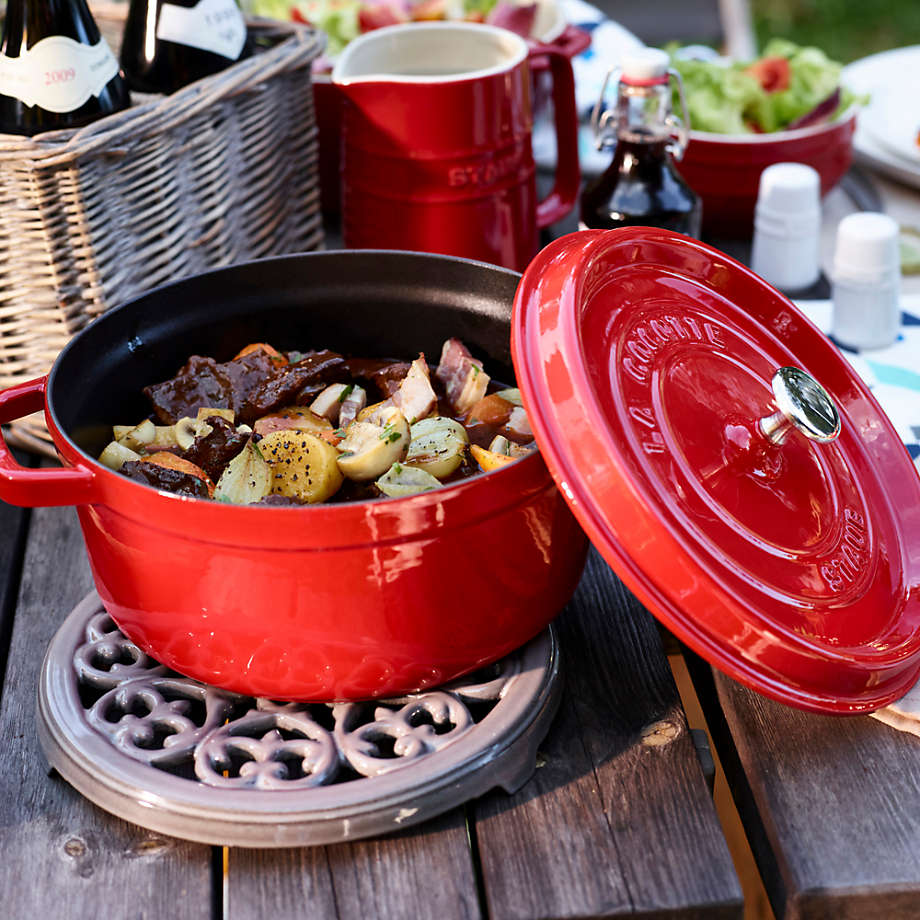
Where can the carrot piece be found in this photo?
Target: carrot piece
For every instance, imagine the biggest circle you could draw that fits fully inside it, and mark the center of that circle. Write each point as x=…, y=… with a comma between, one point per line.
x=171, y=462
x=489, y=460
x=492, y=410
x=262, y=346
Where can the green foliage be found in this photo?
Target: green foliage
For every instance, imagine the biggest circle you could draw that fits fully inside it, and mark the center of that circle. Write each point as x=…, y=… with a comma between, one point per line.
x=844, y=29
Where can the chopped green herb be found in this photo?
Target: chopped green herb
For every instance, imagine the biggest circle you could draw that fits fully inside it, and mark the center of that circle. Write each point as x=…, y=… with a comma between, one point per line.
x=339, y=432
x=476, y=370
x=346, y=392
x=258, y=450
x=347, y=453
x=394, y=437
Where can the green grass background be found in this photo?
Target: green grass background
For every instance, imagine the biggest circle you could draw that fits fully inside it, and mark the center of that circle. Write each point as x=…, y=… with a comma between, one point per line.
x=844, y=29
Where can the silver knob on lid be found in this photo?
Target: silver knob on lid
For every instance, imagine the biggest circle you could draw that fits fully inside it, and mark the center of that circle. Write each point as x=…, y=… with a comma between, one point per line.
x=801, y=402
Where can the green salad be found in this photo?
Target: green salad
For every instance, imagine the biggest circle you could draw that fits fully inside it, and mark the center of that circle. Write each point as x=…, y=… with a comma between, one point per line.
x=788, y=87
x=344, y=20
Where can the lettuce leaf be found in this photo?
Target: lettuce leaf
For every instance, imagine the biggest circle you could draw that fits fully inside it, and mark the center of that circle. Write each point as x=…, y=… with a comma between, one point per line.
x=723, y=98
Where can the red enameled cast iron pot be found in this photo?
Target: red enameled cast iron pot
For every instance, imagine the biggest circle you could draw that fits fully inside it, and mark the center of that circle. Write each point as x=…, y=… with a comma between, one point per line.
x=329, y=602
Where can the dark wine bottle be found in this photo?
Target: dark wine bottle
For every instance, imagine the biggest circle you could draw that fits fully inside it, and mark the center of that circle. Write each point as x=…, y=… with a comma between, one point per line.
x=641, y=187
x=56, y=70
x=167, y=45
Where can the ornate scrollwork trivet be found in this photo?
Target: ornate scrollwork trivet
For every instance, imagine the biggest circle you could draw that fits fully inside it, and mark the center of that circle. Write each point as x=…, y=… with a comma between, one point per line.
x=219, y=767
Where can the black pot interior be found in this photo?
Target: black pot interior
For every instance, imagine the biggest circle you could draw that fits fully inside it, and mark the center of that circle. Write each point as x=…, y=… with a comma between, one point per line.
x=374, y=304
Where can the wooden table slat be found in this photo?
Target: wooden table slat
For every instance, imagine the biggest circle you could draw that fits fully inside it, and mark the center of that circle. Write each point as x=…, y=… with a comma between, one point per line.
x=425, y=873
x=619, y=820
x=60, y=856
x=825, y=803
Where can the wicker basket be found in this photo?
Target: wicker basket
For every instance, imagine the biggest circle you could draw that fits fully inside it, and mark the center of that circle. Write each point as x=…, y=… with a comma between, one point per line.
x=218, y=172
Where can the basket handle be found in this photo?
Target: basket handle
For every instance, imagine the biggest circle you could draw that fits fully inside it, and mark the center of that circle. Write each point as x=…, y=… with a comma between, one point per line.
x=20, y=485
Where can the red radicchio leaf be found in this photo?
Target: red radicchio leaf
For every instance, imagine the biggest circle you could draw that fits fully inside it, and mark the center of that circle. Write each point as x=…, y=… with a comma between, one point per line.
x=821, y=112
x=377, y=15
x=514, y=17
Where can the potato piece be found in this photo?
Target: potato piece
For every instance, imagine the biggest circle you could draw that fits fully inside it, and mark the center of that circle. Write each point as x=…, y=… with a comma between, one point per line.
x=439, y=422
x=371, y=447
x=188, y=429
x=138, y=437
x=246, y=479
x=303, y=466
x=400, y=480
x=362, y=416
x=501, y=445
x=488, y=460
x=352, y=404
x=437, y=446
x=116, y=455
x=512, y=395
x=415, y=397
x=517, y=428
x=329, y=402
x=292, y=417
x=205, y=412
x=165, y=437
x=171, y=462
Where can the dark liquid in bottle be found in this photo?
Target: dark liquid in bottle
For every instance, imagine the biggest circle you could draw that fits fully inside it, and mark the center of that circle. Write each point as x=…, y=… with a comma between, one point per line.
x=641, y=188
x=171, y=65
x=26, y=24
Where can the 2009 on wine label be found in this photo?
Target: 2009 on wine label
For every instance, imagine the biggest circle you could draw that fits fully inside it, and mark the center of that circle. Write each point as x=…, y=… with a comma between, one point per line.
x=60, y=76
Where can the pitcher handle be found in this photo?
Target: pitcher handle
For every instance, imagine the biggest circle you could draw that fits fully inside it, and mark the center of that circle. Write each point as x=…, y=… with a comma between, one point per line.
x=564, y=193
x=20, y=485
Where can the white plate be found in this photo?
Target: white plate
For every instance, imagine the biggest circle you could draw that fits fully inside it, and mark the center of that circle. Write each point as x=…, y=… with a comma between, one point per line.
x=890, y=121
x=894, y=122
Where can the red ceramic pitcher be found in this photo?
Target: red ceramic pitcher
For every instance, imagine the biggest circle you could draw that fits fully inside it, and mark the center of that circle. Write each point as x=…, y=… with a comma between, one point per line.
x=436, y=142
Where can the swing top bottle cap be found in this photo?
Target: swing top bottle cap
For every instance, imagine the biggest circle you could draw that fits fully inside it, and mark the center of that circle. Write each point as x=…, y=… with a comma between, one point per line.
x=646, y=66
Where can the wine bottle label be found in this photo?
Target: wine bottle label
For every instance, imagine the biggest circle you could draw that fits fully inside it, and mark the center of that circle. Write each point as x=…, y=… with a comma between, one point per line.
x=210, y=25
x=57, y=73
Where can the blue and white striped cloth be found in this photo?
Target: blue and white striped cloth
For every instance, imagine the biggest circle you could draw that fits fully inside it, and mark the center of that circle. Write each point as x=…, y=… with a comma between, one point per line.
x=892, y=373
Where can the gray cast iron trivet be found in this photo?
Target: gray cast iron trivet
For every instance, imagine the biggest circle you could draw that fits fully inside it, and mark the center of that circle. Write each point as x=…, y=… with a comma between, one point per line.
x=185, y=759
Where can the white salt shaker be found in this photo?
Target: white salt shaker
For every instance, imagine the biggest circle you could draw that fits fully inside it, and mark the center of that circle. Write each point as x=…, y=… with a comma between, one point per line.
x=866, y=281
x=787, y=226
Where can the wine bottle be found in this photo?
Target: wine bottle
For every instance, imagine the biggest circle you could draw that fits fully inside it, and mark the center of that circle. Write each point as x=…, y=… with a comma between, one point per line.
x=56, y=70
x=167, y=45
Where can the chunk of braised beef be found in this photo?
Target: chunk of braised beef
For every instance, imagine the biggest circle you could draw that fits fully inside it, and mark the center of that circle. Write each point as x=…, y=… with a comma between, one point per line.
x=247, y=376
x=199, y=382
x=295, y=383
x=275, y=499
x=365, y=368
x=383, y=374
x=160, y=477
x=202, y=382
x=354, y=491
x=213, y=451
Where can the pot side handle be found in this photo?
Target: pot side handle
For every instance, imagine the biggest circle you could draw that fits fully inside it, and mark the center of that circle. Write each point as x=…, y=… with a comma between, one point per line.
x=20, y=485
x=565, y=190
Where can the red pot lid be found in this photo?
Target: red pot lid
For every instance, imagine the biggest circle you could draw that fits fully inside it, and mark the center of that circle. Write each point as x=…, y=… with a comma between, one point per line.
x=647, y=362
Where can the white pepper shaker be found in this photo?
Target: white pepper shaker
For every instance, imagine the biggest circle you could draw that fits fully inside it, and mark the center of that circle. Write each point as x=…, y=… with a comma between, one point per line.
x=787, y=226
x=866, y=281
